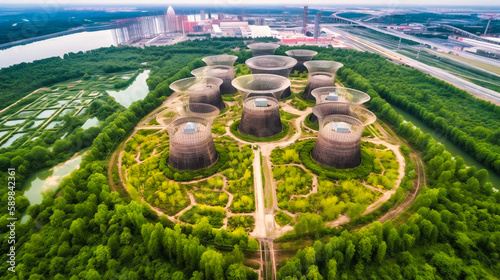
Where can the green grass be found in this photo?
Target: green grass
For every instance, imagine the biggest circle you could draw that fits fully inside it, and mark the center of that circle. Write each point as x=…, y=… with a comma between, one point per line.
x=283, y=219
x=310, y=124
x=251, y=138
x=188, y=175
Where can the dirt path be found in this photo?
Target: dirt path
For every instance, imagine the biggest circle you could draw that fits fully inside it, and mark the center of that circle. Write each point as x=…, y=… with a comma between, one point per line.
x=421, y=179
x=13, y=104
x=401, y=170
x=260, y=218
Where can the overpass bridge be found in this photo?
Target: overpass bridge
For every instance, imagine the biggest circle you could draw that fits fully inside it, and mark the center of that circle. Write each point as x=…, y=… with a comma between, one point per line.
x=467, y=34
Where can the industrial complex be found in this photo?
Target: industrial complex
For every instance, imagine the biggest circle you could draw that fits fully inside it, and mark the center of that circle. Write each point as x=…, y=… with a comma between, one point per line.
x=341, y=119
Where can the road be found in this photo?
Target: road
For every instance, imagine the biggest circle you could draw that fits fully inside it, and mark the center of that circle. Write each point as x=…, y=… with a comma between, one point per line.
x=260, y=217
x=425, y=42
x=470, y=87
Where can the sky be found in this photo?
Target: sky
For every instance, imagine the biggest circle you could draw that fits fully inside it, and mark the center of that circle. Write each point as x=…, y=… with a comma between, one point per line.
x=389, y=3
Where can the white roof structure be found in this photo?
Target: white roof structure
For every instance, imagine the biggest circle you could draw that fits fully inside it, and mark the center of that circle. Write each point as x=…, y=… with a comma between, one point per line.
x=260, y=102
x=332, y=96
x=217, y=30
x=340, y=127
x=190, y=127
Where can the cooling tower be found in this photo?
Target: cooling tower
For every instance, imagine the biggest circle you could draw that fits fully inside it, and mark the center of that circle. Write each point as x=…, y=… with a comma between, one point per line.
x=261, y=117
x=191, y=143
x=339, y=139
x=338, y=94
x=223, y=72
x=261, y=85
x=263, y=48
x=201, y=90
x=301, y=56
x=321, y=74
x=221, y=59
x=272, y=64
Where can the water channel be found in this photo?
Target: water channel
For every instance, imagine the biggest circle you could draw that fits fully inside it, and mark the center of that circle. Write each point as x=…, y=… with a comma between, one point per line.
x=450, y=147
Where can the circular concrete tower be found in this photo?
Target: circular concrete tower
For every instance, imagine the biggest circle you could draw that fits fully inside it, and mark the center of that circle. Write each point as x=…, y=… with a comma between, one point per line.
x=191, y=143
x=272, y=64
x=263, y=48
x=200, y=90
x=338, y=94
x=221, y=59
x=260, y=117
x=339, y=139
x=321, y=74
x=301, y=56
x=223, y=72
x=261, y=85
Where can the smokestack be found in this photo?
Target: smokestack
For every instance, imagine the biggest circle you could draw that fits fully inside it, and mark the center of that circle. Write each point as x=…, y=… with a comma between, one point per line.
x=317, y=20
x=304, y=21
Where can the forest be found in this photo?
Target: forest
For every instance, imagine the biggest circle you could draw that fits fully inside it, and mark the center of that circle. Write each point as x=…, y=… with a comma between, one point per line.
x=87, y=230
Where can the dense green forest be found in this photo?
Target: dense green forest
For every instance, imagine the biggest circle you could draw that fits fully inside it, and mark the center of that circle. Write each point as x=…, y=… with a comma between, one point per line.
x=85, y=230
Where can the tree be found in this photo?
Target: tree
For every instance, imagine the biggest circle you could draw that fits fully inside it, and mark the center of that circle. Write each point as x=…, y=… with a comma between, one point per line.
x=365, y=248
x=203, y=230
x=448, y=266
x=308, y=224
x=236, y=271
x=212, y=263
x=313, y=273
x=332, y=269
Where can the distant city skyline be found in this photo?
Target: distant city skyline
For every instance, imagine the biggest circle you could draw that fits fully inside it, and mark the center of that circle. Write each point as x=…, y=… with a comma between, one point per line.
x=389, y=3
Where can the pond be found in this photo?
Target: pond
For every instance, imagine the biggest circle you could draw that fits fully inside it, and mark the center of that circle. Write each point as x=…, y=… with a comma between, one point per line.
x=136, y=91
x=45, y=114
x=65, y=111
x=92, y=122
x=24, y=114
x=11, y=140
x=2, y=133
x=37, y=123
x=48, y=179
x=13, y=122
x=53, y=124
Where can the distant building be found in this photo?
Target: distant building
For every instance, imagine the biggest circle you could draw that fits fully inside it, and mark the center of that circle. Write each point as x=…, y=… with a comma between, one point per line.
x=317, y=30
x=412, y=27
x=202, y=14
x=171, y=20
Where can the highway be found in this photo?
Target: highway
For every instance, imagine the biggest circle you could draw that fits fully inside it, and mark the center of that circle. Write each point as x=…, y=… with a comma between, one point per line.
x=470, y=87
x=424, y=42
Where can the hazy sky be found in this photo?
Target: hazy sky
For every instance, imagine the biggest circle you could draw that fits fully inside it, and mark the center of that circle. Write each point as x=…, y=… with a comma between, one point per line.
x=390, y=3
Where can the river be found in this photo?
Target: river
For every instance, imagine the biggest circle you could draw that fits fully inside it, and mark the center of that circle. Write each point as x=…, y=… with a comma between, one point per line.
x=57, y=46
x=450, y=147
